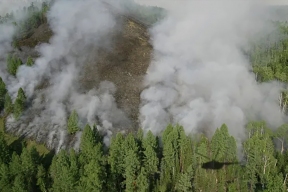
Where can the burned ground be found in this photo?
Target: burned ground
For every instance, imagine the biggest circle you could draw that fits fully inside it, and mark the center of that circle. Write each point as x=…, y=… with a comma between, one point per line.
x=124, y=64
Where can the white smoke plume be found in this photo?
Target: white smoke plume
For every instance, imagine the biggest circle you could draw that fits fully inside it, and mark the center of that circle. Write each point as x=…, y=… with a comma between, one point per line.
x=200, y=77
x=80, y=28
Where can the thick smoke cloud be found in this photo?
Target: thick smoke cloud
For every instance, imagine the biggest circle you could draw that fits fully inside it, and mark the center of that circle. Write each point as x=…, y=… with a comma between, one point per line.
x=200, y=77
x=51, y=85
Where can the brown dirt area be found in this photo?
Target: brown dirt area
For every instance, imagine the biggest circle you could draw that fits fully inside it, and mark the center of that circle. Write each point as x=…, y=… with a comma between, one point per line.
x=40, y=35
x=125, y=66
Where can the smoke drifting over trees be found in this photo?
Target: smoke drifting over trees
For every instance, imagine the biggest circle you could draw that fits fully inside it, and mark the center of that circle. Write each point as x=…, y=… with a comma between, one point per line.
x=213, y=102
x=200, y=76
x=78, y=26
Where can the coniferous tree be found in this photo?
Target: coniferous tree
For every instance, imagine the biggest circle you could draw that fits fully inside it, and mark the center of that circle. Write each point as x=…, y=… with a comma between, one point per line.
x=5, y=178
x=21, y=95
x=29, y=162
x=42, y=178
x=64, y=172
x=19, y=104
x=30, y=61
x=142, y=181
x=8, y=105
x=72, y=124
x=151, y=160
x=4, y=150
x=13, y=63
x=116, y=161
x=19, y=184
x=94, y=171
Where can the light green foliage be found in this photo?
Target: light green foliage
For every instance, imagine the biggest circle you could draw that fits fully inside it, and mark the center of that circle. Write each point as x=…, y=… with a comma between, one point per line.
x=21, y=95
x=72, y=125
x=223, y=145
x=259, y=152
x=90, y=138
x=116, y=154
x=282, y=135
x=19, y=104
x=116, y=161
x=142, y=181
x=132, y=168
x=151, y=160
x=13, y=62
x=42, y=178
x=269, y=59
x=184, y=182
x=132, y=163
x=64, y=172
x=92, y=160
x=94, y=172
x=30, y=61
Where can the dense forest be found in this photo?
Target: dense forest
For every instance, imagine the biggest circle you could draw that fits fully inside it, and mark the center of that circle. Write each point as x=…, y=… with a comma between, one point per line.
x=173, y=161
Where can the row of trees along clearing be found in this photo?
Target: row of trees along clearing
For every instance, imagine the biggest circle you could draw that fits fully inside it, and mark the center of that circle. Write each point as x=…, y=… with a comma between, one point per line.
x=172, y=162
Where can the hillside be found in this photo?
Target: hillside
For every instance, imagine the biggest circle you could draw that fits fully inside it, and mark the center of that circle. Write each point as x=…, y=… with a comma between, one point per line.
x=208, y=85
x=124, y=64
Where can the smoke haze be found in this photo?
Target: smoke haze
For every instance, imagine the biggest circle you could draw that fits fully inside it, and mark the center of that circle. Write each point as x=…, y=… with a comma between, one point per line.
x=79, y=27
x=200, y=77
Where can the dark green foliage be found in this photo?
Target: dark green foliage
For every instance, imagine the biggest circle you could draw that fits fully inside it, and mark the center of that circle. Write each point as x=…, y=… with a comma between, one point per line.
x=4, y=150
x=72, y=124
x=13, y=62
x=3, y=92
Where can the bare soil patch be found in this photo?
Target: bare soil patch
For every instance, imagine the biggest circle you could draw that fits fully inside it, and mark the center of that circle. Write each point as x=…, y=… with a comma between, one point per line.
x=125, y=65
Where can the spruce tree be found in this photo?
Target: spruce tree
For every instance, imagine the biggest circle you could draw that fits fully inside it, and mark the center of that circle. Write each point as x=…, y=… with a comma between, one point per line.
x=72, y=124
x=30, y=61
x=21, y=95
x=13, y=62
x=19, y=103
x=8, y=105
